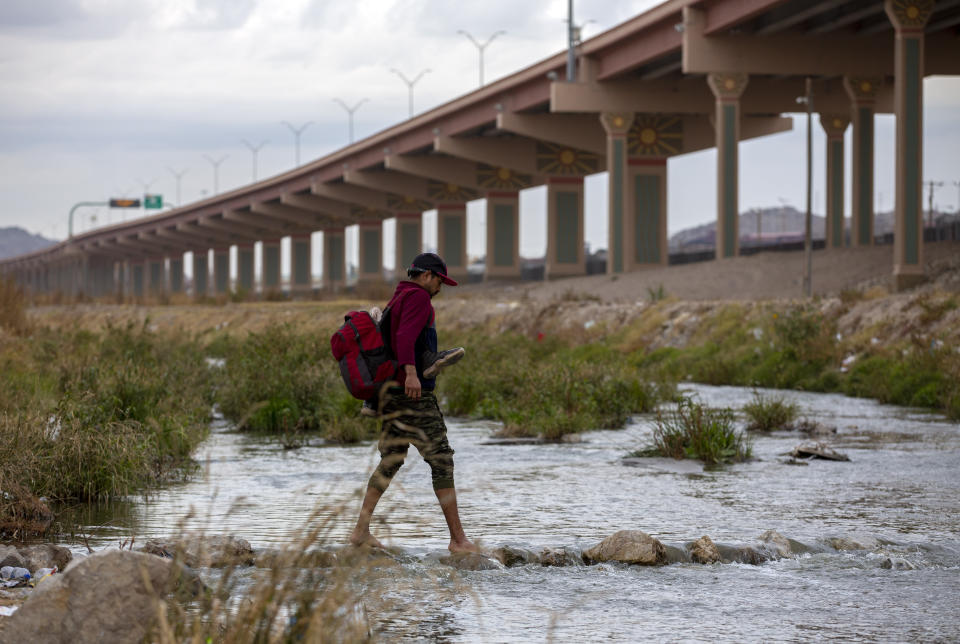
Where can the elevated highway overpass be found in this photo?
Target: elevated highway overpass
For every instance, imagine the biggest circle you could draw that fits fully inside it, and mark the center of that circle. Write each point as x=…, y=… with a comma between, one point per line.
x=684, y=76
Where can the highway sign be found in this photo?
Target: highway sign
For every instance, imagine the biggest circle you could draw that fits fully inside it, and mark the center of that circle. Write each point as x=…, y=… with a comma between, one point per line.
x=153, y=202
x=124, y=203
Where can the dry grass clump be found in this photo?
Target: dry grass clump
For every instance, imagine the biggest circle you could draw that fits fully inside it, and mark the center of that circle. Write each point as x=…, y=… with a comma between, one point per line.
x=13, y=304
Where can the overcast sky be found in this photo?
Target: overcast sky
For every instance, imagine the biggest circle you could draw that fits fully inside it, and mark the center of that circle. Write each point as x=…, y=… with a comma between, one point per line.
x=102, y=97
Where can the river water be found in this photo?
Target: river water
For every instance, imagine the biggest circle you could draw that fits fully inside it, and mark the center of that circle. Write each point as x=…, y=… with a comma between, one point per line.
x=899, y=496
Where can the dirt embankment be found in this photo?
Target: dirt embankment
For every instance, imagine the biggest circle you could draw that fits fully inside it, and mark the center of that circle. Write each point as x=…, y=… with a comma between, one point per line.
x=852, y=283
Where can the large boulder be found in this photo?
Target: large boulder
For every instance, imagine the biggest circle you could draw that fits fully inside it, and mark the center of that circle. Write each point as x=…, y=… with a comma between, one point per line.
x=213, y=551
x=110, y=596
x=630, y=547
x=10, y=556
x=704, y=551
x=46, y=555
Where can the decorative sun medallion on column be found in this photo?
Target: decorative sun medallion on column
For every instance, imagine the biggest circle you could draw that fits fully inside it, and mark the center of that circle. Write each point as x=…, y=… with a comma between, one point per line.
x=912, y=14
x=564, y=161
x=655, y=135
x=862, y=89
x=407, y=204
x=500, y=178
x=727, y=85
x=441, y=192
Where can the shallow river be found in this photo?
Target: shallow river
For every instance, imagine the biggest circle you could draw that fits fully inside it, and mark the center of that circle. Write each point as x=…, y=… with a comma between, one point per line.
x=900, y=492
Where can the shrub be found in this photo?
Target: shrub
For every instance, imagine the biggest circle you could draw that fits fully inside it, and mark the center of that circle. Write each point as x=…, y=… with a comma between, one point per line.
x=694, y=431
x=12, y=307
x=280, y=380
x=768, y=413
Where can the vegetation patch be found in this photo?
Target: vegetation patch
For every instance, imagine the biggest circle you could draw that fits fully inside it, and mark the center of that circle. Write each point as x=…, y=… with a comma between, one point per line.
x=695, y=431
x=767, y=413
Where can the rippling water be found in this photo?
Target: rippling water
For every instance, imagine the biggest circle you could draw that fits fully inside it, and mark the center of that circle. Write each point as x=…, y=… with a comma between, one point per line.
x=901, y=488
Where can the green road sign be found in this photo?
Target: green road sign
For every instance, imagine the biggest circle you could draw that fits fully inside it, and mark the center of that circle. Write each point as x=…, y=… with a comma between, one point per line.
x=153, y=202
x=124, y=203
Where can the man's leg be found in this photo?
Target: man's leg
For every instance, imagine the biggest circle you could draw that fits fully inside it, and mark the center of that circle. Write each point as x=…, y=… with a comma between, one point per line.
x=361, y=533
x=448, y=503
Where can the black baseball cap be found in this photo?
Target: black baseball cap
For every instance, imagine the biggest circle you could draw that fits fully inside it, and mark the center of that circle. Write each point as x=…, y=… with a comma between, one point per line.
x=432, y=262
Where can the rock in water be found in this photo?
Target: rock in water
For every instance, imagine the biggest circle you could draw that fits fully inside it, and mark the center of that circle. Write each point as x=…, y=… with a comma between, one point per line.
x=215, y=551
x=815, y=449
x=511, y=556
x=560, y=557
x=630, y=547
x=470, y=561
x=101, y=598
x=704, y=551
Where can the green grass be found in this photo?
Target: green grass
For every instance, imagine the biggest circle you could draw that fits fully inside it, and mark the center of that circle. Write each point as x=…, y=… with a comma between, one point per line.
x=282, y=380
x=767, y=413
x=694, y=431
x=545, y=388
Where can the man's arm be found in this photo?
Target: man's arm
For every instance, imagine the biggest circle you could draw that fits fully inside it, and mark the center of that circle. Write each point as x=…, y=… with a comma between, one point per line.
x=411, y=384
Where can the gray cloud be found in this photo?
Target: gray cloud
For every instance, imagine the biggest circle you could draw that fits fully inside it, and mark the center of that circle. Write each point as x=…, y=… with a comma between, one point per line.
x=219, y=14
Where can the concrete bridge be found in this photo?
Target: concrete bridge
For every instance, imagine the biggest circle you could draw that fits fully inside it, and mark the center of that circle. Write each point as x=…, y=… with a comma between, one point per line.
x=684, y=76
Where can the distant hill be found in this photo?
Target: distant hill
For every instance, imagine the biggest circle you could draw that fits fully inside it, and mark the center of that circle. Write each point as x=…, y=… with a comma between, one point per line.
x=16, y=241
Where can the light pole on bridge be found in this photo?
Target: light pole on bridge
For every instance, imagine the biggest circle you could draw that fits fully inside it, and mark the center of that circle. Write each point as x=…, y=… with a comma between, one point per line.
x=350, y=111
x=297, y=131
x=410, y=84
x=481, y=46
x=216, y=170
x=177, y=176
x=255, y=149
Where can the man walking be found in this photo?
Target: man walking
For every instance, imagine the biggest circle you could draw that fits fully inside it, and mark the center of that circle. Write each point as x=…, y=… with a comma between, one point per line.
x=411, y=413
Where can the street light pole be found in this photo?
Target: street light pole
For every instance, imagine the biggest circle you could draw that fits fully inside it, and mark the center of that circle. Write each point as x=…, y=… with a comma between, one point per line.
x=297, y=131
x=177, y=175
x=350, y=111
x=481, y=46
x=571, y=52
x=808, y=232
x=216, y=170
x=410, y=84
x=254, y=149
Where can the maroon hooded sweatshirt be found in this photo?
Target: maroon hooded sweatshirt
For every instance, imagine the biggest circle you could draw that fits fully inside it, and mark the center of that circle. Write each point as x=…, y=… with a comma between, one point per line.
x=412, y=329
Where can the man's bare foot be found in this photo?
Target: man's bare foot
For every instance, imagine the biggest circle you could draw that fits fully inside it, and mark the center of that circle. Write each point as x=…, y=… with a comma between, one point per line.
x=462, y=546
x=365, y=540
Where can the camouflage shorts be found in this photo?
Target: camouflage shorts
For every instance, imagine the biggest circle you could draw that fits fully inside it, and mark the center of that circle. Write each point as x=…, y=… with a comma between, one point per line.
x=413, y=422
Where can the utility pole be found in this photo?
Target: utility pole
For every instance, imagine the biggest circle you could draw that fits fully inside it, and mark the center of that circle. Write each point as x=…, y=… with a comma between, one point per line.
x=807, y=235
x=410, y=84
x=481, y=46
x=957, y=184
x=254, y=149
x=932, y=185
x=571, y=45
x=350, y=111
x=216, y=170
x=297, y=131
x=177, y=176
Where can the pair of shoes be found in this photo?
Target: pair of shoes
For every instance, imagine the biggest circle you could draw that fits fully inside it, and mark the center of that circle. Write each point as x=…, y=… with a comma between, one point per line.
x=437, y=361
x=369, y=409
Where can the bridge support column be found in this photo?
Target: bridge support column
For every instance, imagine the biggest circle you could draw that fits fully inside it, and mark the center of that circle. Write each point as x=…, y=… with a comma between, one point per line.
x=334, y=259
x=617, y=125
x=245, y=270
x=155, y=283
x=409, y=240
x=221, y=271
x=565, y=227
x=909, y=19
x=863, y=94
x=452, y=238
x=270, y=280
x=646, y=229
x=120, y=279
x=370, y=267
x=201, y=273
x=727, y=89
x=834, y=125
x=301, y=272
x=503, y=235
x=137, y=271
x=176, y=274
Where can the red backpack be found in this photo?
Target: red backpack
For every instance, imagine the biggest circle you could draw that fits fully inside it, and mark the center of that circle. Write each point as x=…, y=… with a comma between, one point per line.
x=366, y=362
